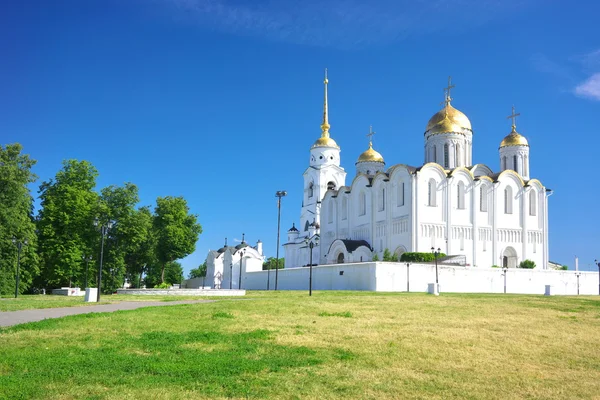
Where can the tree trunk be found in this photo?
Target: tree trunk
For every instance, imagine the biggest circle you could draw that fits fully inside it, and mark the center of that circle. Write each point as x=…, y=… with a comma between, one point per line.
x=162, y=273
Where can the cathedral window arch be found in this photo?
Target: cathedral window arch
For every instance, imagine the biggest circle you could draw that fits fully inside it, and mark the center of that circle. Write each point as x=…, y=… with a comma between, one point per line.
x=504, y=163
x=508, y=200
x=446, y=155
x=532, y=203
x=400, y=199
x=483, y=199
x=515, y=163
x=344, y=208
x=362, y=203
x=431, y=193
x=331, y=185
x=306, y=225
x=311, y=189
x=434, y=158
x=460, y=191
x=381, y=200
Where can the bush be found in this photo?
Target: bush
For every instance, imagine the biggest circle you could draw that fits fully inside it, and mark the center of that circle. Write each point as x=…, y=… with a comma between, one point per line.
x=527, y=264
x=495, y=266
x=163, y=285
x=419, y=257
x=375, y=257
x=388, y=256
x=564, y=268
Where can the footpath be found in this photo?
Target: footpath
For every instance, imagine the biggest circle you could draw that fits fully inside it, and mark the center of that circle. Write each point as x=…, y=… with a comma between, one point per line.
x=10, y=318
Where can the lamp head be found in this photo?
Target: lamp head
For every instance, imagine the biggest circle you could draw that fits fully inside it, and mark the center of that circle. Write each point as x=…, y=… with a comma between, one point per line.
x=96, y=222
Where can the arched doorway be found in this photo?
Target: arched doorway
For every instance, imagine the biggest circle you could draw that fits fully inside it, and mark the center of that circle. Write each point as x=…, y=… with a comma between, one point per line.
x=340, y=258
x=509, y=258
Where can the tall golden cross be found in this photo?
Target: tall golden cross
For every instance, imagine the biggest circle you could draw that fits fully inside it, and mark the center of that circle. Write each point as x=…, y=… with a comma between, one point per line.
x=513, y=116
x=370, y=135
x=448, y=98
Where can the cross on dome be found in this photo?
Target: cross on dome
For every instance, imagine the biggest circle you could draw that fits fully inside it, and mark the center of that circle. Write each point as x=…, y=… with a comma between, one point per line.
x=370, y=135
x=514, y=116
x=447, y=97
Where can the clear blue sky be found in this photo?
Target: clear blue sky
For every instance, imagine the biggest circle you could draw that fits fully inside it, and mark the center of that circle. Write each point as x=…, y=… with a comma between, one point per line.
x=220, y=100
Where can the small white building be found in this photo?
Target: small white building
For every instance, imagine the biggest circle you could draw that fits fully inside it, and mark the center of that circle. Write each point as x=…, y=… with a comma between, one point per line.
x=226, y=267
x=449, y=202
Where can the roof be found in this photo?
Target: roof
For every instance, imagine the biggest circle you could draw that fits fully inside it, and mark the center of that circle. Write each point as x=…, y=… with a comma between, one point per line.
x=352, y=245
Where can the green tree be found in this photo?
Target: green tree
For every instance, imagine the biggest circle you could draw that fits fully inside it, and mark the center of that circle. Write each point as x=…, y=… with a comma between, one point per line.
x=16, y=219
x=141, y=247
x=65, y=223
x=375, y=257
x=527, y=264
x=198, y=272
x=171, y=272
x=271, y=263
x=388, y=256
x=176, y=230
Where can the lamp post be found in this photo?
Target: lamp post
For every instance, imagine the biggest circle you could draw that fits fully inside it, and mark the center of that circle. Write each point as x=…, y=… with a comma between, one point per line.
x=87, y=260
x=19, y=243
x=311, y=245
x=504, y=269
x=577, y=274
x=242, y=251
x=279, y=194
x=104, y=228
x=230, y=274
x=408, y=277
x=598, y=264
x=436, y=253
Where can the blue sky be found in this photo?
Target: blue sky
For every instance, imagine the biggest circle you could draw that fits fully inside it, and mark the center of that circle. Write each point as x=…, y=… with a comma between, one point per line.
x=220, y=100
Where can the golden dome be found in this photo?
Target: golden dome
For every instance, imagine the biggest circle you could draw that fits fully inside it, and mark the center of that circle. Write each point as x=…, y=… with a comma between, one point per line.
x=325, y=141
x=370, y=156
x=514, y=139
x=448, y=119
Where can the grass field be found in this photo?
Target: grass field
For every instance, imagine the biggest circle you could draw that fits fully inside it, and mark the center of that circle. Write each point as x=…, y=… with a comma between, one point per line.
x=287, y=345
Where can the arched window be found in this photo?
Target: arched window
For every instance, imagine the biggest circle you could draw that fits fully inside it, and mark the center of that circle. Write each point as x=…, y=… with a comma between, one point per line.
x=446, y=156
x=508, y=200
x=504, y=163
x=431, y=189
x=515, y=163
x=344, y=208
x=434, y=158
x=362, y=203
x=306, y=225
x=310, y=189
x=340, y=258
x=460, y=191
x=483, y=201
x=532, y=203
x=331, y=186
x=381, y=199
x=400, y=200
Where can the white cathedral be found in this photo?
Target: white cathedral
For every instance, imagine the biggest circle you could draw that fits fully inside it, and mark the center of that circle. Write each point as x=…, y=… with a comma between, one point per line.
x=448, y=203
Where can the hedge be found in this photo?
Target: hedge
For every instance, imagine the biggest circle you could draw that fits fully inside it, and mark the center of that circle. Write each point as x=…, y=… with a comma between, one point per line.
x=419, y=257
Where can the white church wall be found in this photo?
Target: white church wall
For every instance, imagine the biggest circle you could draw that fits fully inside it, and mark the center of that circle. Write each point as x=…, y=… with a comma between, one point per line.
x=391, y=277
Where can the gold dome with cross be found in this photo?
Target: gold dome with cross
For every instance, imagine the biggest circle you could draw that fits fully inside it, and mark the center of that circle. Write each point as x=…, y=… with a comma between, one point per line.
x=448, y=119
x=370, y=155
x=514, y=138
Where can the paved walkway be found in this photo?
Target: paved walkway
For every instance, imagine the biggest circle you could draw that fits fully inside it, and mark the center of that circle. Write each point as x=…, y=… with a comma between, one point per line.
x=10, y=318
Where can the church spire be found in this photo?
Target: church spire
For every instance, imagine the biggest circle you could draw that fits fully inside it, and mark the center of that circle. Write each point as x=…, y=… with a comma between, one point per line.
x=325, y=125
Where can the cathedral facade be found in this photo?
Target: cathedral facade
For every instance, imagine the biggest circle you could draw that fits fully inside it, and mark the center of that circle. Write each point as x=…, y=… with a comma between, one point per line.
x=449, y=203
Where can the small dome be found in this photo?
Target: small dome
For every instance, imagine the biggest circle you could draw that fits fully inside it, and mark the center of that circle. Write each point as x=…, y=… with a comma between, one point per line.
x=514, y=139
x=293, y=228
x=325, y=142
x=370, y=156
x=223, y=249
x=448, y=119
x=241, y=245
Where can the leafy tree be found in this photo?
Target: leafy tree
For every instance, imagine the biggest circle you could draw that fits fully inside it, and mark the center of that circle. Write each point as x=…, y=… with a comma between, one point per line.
x=173, y=273
x=375, y=257
x=141, y=248
x=176, y=230
x=388, y=256
x=65, y=222
x=271, y=263
x=527, y=264
x=16, y=219
x=198, y=272
x=564, y=268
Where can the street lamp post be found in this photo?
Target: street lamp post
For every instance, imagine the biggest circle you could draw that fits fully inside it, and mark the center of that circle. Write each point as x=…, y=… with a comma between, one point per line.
x=230, y=274
x=19, y=243
x=577, y=274
x=311, y=245
x=504, y=269
x=279, y=194
x=408, y=277
x=104, y=228
x=87, y=260
x=598, y=264
x=242, y=251
x=436, y=253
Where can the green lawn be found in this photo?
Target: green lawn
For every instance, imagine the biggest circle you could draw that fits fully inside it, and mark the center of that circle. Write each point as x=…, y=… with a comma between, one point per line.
x=287, y=345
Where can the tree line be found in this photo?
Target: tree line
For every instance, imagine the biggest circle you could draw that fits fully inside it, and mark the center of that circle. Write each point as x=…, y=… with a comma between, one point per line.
x=59, y=245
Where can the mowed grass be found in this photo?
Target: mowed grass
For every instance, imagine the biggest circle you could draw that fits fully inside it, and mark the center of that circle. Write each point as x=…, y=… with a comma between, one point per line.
x=286, y=345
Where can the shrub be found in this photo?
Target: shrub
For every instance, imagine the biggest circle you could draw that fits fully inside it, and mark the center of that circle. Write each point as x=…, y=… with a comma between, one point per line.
x=527, y=264
x=419, y=257
x=163, y=285
x=564, y=267
x=388, y=256
x=495, y=266
x=375, y=257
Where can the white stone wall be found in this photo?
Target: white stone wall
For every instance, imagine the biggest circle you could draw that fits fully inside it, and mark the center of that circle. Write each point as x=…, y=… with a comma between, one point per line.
x=392, y=277
x=181, y=292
